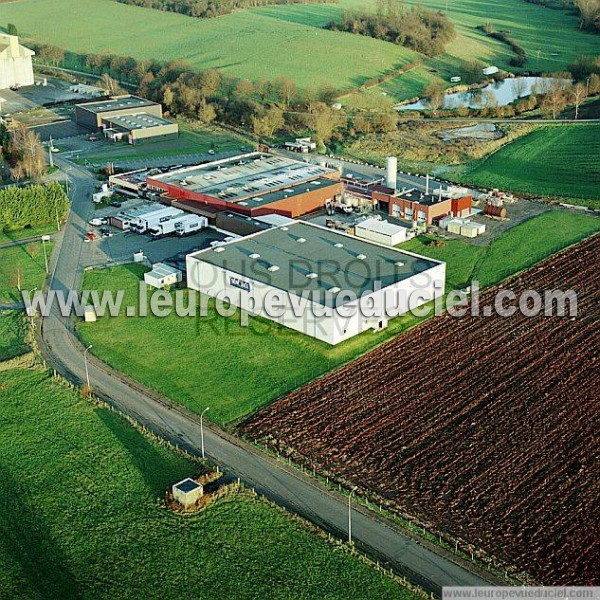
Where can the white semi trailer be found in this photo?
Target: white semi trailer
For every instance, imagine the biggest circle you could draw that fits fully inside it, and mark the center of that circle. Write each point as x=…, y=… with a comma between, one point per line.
x=185, y=222
x=160, y=215
x=190, y=225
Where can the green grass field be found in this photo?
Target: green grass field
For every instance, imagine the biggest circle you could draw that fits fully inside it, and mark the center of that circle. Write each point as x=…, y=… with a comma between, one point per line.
x=519, y=248
x=13, y=334
x=243, y=44
x=81, y=519
x=22, y=264
x=267, y=42
x=264, y=361
x=556, y=161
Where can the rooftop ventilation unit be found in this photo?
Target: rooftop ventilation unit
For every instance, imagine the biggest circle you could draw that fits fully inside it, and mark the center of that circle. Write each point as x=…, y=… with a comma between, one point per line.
x=361, y=257
x=243, y=203
x=219, y=249
x=334, y=290
x=301, y=240
x=311, y=276
x=399, y=263
x=273, y=268
x=285, y=229
x=255, y=255
x=339, y=245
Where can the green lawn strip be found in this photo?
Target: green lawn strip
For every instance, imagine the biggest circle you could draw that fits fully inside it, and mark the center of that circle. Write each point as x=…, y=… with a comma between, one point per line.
x=13, y=333
x=22, y=265
x=81, y=517
x=557, y=161
x=6, y=237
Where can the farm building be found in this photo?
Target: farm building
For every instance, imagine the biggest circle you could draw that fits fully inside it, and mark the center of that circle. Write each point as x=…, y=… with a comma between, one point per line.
x=381, y=232
x=16, y=66
x=319, y=282
x=413, y=205
x=140, y=127
x=253, y=184
x=162, y=275
x=93, y=114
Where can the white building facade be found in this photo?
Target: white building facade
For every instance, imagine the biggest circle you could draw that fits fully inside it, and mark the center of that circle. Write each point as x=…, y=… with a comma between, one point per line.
x=16, y=68
x=300, y=295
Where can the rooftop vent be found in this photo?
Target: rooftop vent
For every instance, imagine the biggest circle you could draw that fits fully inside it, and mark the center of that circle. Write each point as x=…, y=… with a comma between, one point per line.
x=285, y=229
x=273, y=268
x=219, y=249
x=361, y=257
x=399, y=263
x=255, y=255
x=334, y=290
x=339, y=245
x=301, y=240
x=311, y=276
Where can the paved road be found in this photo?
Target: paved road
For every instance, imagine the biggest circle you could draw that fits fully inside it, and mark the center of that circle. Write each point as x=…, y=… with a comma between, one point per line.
x=274, y=479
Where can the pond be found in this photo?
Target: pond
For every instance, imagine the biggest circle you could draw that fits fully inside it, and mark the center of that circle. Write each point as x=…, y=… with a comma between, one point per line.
x=502, y=92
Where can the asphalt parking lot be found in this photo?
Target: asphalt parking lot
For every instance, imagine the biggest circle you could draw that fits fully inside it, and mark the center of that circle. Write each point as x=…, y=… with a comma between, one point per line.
x=121, y=246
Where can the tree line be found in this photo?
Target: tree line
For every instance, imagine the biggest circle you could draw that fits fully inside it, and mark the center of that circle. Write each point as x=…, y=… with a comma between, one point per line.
x=588, y=11
x=425, y=31
x=211, y=8
x=33, y=205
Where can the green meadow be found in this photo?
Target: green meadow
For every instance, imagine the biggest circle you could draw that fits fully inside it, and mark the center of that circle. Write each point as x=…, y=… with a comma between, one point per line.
x=81, y=517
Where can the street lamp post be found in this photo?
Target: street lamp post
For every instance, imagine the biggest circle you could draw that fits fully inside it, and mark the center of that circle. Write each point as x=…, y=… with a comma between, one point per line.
x=87, y=373
x=202, y=430
x=45, y=238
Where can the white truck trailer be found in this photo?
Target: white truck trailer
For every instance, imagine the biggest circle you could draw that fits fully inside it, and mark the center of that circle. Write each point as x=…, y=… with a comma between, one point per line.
x=173, y=224
x=191, y=224
x=160, y=215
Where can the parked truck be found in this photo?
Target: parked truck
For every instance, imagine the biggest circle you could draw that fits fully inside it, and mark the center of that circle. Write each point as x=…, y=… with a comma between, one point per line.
x=145, y=222
x=191, y=224
x=185, y=222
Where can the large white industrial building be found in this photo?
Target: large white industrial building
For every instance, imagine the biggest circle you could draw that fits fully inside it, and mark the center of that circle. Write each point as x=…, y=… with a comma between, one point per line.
x=323, y=283
x=16, y=68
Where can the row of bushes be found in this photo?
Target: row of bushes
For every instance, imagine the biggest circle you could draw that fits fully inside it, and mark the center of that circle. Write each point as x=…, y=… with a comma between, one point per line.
x=520, y=57
x=33, y=205
x=211, y=8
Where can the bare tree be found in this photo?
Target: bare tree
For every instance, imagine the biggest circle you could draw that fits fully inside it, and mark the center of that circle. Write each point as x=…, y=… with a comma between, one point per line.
x=322, y=120
x=554, y=101
x=519, y=86
x=434, y=93
x=578, y=95
x=589, y=13
x=27, y=153
x=111, y=85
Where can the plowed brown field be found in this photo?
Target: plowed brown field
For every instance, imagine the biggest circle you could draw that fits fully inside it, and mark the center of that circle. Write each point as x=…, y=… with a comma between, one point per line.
x=484, y=429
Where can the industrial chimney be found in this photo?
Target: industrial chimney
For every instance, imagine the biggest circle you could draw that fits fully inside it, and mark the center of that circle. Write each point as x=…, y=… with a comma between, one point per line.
x=392, y=172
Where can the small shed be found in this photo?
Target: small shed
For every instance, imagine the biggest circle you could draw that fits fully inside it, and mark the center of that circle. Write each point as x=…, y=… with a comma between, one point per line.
x=187, y=492
x=162, y=275
x=455, y=226
x=381, y=232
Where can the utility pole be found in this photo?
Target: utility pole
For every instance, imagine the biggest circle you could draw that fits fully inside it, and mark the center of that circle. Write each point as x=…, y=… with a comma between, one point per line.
x=87, y=374
x=50, y=148
x=45, y=238
x=202, y=430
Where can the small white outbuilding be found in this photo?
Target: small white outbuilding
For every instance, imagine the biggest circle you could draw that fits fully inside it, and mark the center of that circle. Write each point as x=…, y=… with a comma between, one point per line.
x=162, y=275
x=187, y=492
x=381, y=232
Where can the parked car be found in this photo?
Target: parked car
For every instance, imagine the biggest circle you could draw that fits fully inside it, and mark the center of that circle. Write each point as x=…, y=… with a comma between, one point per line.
x=116, y=204
x=93, y=138
x=90, y=236
x=106, y=232
x=96, y=222
x=211, y=151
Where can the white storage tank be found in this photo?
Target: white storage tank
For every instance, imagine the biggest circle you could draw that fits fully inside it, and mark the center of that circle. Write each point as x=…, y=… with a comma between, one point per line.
x=391, y=178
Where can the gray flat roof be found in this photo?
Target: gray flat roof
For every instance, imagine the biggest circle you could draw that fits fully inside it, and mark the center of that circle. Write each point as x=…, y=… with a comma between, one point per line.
x=118, y=103
x=139, y=120
x=338, y=260
x=245, y=176
x=187, y=485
